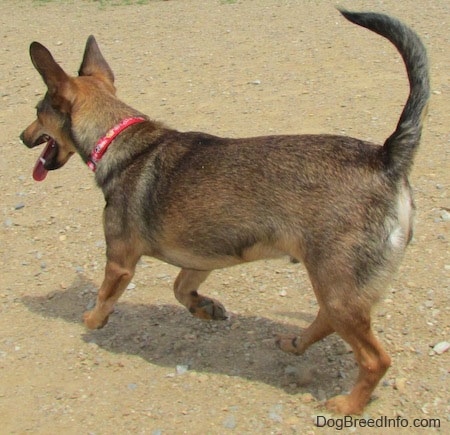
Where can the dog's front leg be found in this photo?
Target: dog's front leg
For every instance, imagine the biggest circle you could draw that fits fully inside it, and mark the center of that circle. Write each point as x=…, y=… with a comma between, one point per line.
x=185, y=288
x=117, y=277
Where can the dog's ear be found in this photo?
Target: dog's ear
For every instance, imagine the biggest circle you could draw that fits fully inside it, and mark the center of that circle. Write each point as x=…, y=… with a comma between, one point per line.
x=57, y=81
x=53, y=75
x=94, y=64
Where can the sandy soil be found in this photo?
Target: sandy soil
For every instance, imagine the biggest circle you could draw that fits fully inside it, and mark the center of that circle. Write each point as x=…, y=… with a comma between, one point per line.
x=231, y=68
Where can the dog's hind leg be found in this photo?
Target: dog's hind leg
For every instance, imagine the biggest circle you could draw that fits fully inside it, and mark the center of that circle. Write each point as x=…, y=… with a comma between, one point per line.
x=185, y=289
x=344, y=309
x=373, y=363
x=318, y=329
x=347, y=309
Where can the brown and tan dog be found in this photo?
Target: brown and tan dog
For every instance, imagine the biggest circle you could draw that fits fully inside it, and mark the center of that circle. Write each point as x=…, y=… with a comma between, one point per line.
x=340, y=205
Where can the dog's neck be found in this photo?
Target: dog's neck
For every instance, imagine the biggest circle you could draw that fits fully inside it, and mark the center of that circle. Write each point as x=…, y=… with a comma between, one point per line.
x=106, y=140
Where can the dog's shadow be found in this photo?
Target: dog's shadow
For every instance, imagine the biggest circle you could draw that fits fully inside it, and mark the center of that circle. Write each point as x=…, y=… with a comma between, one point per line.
x=243, y=346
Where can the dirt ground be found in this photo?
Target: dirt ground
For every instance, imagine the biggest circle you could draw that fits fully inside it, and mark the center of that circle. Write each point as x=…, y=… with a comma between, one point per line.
x=233, y=68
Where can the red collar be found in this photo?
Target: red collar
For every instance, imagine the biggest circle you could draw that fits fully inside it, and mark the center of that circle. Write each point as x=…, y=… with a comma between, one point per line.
x=104, y=142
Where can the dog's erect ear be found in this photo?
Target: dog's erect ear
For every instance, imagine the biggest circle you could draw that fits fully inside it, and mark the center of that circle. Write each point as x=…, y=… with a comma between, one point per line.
x=54, y=76
x=94, y=64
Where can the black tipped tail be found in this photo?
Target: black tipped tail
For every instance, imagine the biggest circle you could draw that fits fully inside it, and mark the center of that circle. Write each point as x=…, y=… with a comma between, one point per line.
x=399, y=149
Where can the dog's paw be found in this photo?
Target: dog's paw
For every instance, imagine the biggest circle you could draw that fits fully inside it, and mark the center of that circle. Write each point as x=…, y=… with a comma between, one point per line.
x=91, y=321
x=209, y=309
x=344, y=405
x=289, y=344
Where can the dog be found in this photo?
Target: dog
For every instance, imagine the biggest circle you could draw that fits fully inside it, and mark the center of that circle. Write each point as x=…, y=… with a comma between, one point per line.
x=342, y=206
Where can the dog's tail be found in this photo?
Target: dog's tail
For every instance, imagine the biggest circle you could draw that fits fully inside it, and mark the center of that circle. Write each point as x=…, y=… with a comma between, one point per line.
x=399, y=149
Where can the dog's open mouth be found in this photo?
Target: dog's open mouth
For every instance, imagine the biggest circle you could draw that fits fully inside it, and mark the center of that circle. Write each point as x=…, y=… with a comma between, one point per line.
x=47, y=159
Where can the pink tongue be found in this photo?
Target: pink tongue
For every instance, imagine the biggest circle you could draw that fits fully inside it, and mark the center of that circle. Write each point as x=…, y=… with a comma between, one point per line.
x=39, y=172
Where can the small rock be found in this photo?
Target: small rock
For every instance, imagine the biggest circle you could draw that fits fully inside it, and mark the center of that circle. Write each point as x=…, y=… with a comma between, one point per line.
x=400, y=385
x=230, y=422
x=445, y=216
x=441, y=347
x=282, y=293
x=274, y=413
x=181, y=369
x=19, y=206
x=131, y=286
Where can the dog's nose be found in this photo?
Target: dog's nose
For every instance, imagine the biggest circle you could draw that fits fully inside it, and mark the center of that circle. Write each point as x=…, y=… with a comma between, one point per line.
x=22, y=138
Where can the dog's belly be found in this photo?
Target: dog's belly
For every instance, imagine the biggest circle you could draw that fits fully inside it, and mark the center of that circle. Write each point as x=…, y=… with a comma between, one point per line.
x=190, y=259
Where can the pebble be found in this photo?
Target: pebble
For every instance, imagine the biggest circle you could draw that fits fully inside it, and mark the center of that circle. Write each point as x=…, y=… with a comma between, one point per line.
x=441, y=347
x=131, y=286
x=164, y=276
x=445, y=216
x=229, y=422
x=400, y=385
x=19, y=206
x=182, y=369
x=274, y=413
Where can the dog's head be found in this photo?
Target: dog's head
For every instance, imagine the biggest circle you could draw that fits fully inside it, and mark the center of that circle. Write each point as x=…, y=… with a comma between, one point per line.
x=57, y=111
